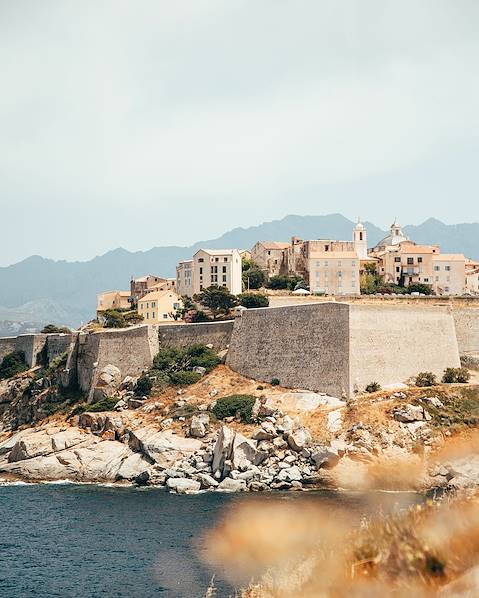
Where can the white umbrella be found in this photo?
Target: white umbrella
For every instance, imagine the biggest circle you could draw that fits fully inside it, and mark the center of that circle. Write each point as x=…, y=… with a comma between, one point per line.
x=301, y=292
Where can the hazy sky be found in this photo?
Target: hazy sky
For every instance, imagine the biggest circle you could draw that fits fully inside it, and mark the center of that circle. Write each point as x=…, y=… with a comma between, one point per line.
x=139, y=123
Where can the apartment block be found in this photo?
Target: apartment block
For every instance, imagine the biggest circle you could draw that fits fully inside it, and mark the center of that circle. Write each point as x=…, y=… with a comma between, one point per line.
x=210, y=267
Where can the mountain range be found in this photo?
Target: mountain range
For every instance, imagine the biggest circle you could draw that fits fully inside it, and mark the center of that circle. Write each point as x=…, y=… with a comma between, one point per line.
x=37, y=290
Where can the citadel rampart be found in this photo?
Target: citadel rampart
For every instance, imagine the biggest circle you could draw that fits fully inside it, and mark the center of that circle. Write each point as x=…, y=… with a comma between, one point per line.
x=335, y=347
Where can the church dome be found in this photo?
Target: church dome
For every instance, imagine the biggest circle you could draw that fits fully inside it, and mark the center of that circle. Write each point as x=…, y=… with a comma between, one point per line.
x=395, y=237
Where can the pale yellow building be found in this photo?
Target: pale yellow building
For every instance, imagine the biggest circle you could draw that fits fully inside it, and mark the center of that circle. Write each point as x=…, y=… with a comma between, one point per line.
x=271, y=257
x=159, y=307
x=113, y=300
x=210, y=267
x=449, y=274
x=334, y=272
x=406, y=263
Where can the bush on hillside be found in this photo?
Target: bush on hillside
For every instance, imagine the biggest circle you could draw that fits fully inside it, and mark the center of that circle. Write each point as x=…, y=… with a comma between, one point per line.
x=13, y=363
x=174, y=359
x=54, y=329
x=425, y=379
x=144, y=386
x=121, y=318
x=106, y=404
x=456, y=375
x=252, y=300
x=373, y=387
x=419, y=287
x=235, y=404
x=184, y=377
x=275, y=382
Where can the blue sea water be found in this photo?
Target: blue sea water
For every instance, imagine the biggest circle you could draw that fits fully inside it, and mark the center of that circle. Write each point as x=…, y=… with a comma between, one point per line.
x=87, y=541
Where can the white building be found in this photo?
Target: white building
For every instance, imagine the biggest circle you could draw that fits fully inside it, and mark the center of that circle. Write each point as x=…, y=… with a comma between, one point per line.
x=210, y=267
x=360, y=240
x=184, y=278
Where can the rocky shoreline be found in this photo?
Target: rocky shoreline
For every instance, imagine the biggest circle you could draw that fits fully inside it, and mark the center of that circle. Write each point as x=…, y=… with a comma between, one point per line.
x=299, y=440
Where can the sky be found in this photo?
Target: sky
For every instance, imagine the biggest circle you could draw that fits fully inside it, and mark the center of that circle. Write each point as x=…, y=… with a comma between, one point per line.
x=141, y=124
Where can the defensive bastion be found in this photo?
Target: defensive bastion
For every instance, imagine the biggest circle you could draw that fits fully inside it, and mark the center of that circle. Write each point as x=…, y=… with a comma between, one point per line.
x=333, y=347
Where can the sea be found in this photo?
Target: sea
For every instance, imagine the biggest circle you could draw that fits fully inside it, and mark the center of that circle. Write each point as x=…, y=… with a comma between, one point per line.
x=91, y=541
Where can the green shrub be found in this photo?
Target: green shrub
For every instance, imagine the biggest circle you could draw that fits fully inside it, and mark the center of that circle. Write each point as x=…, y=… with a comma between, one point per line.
x=230, y=406
x=184, y=377
x=174, y=359
x=453, y=375
x=53, y=329
x=425, y=379
x=106, y=404
x=252, y=300
x=278, y=282
x=13, y=363
x=419, y=287
x=275, y=382
x=121, y=318
x=373, y=387
x=143, y=386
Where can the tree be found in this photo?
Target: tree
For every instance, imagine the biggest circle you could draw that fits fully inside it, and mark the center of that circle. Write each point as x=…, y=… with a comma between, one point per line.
x=251, y=300
x=253, y=276
x=53, y=329
x=217, y=299
x=419, y=287
x=278, y=282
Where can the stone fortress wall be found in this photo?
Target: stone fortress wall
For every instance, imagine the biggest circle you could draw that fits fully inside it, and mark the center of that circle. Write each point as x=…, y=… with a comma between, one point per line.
x=333, y=347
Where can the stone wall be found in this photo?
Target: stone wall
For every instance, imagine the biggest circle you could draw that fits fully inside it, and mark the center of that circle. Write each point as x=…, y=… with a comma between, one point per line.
x=303, y=346
x=57, y=344
x=393, y=343
x=8, y=344
x=337, y=348
x=31, y=344
x=181, y=335
x=467, y=329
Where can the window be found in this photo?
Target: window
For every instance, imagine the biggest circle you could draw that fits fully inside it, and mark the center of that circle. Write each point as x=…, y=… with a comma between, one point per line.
x=447, y=268
x=200, y=259
x=224, y=277
x=318, y=264
x=201, y=270
x=147, y=315
x=410, y=261
x=339, y=264
x=353, y=264
x=153, y=304
x=426, y=280
x=398, y=269
x=224, y=269
x=217, y=259
x=225, y=259
x=419, y=260
x=152, y=315
x=360, y=236
x=397, y=259
x=326, y=264
x=437, y=268
x=165, y=316
x=340, y=274
x=326, y=248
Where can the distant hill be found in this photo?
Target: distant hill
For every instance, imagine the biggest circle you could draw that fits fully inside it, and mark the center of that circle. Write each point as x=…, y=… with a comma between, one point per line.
x=39, y=290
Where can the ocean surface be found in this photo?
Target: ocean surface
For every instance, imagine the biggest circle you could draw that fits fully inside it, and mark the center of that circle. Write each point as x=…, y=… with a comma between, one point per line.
x=87, y=541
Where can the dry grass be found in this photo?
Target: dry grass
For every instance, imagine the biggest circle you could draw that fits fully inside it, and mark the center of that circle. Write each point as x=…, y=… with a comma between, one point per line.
x=301, y=549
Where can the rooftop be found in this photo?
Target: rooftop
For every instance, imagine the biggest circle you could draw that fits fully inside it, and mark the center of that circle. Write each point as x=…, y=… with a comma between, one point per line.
x=274, y=244
x=155, y=295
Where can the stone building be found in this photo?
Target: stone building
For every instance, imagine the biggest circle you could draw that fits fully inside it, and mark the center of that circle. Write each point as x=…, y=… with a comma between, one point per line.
x=139, y=287
x=271, y=257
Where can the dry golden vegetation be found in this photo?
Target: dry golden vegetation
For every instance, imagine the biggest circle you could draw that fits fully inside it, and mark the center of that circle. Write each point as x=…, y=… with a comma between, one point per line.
x=293, y=548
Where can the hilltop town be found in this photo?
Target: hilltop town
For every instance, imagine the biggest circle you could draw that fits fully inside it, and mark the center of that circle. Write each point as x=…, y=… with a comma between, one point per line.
x=395, y=266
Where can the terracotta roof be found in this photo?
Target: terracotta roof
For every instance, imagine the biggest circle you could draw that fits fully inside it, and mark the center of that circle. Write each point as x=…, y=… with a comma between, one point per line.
x=450, y=257
x=157, y=295
x=274, y=244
